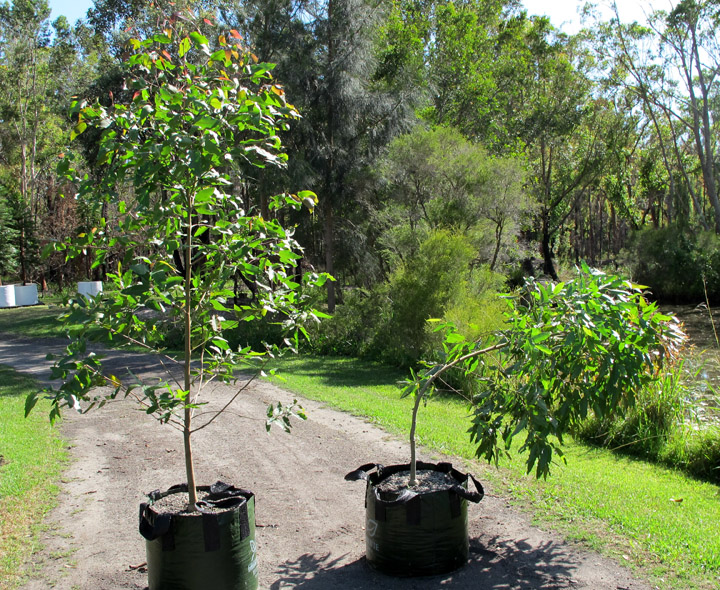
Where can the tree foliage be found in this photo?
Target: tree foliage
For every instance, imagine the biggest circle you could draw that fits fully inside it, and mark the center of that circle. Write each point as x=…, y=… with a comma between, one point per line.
x=587, y=346
x=201, y=108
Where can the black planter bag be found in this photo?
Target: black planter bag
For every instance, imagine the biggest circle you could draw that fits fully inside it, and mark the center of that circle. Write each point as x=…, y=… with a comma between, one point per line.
x=203, y=551
x=416, y=534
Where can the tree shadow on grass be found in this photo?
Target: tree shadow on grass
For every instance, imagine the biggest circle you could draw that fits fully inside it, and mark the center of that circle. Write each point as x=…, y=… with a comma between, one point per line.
x=14, y=384
x=347, y=372
x=513, y=565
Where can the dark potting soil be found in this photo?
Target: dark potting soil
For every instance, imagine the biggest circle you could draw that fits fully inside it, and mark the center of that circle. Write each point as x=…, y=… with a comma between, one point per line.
x=428, y=481
x=177, y=503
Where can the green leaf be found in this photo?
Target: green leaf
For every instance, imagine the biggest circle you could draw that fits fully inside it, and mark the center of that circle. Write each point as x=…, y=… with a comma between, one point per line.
x=30, y=402
x=184, y=46
x=199, y=38
x=207, y=122
x=454, y=338
x=77, y=130
x=204, y=195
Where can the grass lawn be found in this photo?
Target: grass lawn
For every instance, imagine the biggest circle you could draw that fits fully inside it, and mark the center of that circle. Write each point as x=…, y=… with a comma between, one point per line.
x=32, y=458
x=37, y=321
x=656, y=520
x=652, y=518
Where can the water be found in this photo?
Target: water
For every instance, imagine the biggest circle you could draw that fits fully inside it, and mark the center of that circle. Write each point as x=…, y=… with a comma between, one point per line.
x=702, y=358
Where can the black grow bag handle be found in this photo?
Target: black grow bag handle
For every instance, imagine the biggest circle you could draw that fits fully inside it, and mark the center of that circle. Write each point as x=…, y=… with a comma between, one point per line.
x=475, y=496
x=153, y=525
x=363, y=472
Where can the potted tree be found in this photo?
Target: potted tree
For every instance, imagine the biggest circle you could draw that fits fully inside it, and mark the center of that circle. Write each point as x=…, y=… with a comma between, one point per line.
x=199, y=115
x=569, y=349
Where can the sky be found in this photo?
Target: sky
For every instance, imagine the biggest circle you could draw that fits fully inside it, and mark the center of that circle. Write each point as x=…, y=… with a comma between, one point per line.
x=563, y=13
x=72, y=9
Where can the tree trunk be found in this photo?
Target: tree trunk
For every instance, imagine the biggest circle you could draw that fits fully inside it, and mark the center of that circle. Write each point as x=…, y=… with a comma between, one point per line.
x=548, y=265
x=329, y=222
x=498, y=240
x=329, y=228
x=187, y=421
x=23, y=252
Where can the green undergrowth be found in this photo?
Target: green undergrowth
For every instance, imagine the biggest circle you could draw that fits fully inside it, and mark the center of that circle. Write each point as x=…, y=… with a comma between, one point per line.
x=657, y=520
x=32, y=459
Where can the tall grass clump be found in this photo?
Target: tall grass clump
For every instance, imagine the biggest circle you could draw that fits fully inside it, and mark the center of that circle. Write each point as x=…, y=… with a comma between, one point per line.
x=662, y=427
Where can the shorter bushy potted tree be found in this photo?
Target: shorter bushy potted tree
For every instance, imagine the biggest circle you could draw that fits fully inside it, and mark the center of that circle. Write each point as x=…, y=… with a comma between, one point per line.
x=198, y=114
x=571, y=349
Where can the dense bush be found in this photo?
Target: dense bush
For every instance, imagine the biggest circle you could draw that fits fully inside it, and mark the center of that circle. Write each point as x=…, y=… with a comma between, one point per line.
x=678, y=264
x=389, y=322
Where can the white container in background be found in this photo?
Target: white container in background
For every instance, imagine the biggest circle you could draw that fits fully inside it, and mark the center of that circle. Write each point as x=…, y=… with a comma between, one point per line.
x=26, y=294
x=7, y=296
x=90, y=289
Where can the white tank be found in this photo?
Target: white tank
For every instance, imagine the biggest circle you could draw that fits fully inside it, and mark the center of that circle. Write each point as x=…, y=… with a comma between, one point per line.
x=7, y=296
x=26, y=294
x=90, y=289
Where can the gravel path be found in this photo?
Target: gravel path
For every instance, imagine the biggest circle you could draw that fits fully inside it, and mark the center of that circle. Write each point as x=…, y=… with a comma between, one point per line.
x=310, y=521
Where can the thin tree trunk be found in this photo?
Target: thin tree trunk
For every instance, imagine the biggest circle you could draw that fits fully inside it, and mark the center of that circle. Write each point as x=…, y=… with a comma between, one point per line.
x=329, y=224
x=413, y=453
x=187, y=421
x=329, y=254
x=498, y=240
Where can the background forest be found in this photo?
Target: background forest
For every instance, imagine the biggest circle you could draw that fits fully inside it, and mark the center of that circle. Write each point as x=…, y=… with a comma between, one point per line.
x=455, y=147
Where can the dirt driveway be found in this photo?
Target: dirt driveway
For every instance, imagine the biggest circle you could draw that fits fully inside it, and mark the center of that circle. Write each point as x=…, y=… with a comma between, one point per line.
x=310, y=521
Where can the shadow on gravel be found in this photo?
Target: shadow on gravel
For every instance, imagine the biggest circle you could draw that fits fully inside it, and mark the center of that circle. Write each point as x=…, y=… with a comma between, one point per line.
x=515, y=566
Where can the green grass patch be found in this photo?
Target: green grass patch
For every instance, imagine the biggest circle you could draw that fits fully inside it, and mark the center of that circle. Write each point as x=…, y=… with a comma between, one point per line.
x=38, y=321
x=43, y=321
x=32, y=459
x=623, y=507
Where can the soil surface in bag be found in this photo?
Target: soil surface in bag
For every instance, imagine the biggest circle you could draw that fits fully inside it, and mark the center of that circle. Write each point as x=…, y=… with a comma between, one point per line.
x=310, y=520
x=427, y=481
x=177, y=503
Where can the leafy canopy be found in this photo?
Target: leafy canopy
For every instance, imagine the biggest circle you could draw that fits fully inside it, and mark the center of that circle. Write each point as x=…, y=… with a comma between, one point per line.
x=588, y=345
x=199, y=115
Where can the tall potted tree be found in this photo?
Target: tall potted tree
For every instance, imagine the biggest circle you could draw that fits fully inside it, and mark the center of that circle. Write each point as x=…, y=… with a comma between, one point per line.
x=569, y=349
x=200, y=113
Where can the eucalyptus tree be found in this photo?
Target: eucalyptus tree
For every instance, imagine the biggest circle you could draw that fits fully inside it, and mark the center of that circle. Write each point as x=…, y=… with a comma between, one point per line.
x=672, y=67
x=198, y=109
x=37, y=60
x=567, y=132
x=515, y=85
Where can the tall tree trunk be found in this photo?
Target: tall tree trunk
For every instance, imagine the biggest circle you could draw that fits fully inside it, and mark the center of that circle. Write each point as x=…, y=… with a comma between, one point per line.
x=548, y=265
x=329, y=222
x=329, y=231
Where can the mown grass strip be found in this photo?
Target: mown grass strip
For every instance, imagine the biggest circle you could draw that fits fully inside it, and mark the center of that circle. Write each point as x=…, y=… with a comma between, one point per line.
x=624, y=507
x=32, y=459
x=38, y=321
